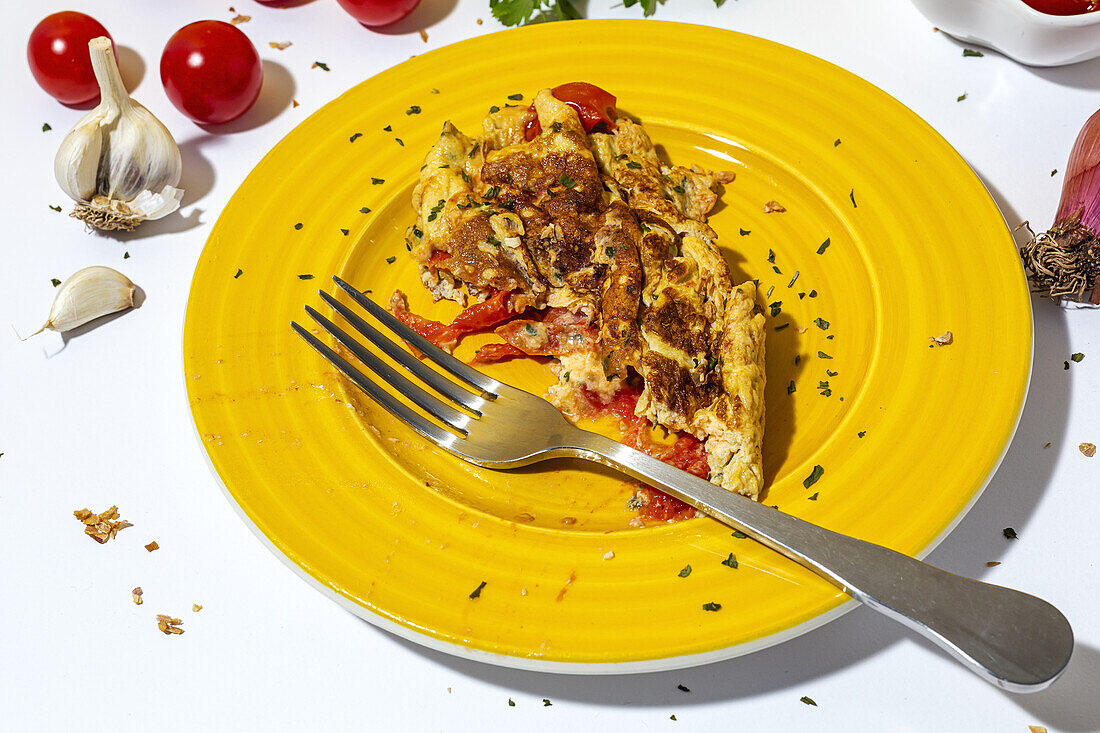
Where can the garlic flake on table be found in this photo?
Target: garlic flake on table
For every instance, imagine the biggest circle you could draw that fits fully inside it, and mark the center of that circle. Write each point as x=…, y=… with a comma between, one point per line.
x=119, y=163
x=86, y=295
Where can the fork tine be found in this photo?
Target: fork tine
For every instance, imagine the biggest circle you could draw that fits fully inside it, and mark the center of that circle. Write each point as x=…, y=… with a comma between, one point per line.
x=423, y=345
x=445, y=413
x=455, y=392
x=397, y=408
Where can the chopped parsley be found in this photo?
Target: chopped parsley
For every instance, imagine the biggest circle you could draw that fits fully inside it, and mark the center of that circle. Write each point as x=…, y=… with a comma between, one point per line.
x=55, y=281
x=685, y=572
x=678, y=188
x=515, y=97
x=790, y=387
x=1077, y=357
x=493, y=240
x=852, y=196
x=364, y=210
x=388, y=128
x=399, y=141
x=1009, y=533
x=823, y=355
x=836, y=142
x=771, y=255
x=813, y=293
x=961, y=97
x=633, y=164
x=1053, y=173
x=813, y=497
x=746, y=232
x=821, y=323
x=967, y=52
x=492, y=192
x=730, y=562
x=738, y=534
x=377, y=181
x=125, y=255
x=473, y=150
x=390, y=260
x=546, y=702
x=239, y=273
x=791, y=283
x=466, y=177
x=566, y=181
x=808, y=701
x=815, y=474
x=775, y=268
x=831, y=373
x=861, y=433
x=355, y=137
x=305, y=277
x=494, y=109
x=413, y=110
x=824, y=246
x=776, y=308
x=298, y=225
x=712, y=606
x=55, y=208
x=681, y=688
x=434, y=211
x=477, y=591
x=321, y=65
x=345, y=232
x=511, y=703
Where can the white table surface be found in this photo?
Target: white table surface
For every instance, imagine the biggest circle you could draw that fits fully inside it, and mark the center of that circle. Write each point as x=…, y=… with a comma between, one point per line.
x=105, y=421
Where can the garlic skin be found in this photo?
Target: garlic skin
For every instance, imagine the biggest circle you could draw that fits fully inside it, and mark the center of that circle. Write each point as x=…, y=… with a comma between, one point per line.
x=86, y=295
x=119, y=163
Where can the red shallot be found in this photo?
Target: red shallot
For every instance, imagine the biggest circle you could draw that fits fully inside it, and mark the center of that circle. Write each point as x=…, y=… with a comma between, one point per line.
x=1064, y=261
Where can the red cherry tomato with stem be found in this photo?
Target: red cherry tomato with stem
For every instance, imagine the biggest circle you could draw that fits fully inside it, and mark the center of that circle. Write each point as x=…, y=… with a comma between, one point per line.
x=58, y=56
x=211, y=72
x=595, y=107
x=378, y=12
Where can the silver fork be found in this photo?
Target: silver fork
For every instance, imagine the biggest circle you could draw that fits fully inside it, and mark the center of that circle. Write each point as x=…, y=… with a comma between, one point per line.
x=1017, y=642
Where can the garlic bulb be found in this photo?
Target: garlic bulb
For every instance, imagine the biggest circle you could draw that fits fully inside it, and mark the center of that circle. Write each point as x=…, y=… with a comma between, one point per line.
x=119, y=163
x=87, y=295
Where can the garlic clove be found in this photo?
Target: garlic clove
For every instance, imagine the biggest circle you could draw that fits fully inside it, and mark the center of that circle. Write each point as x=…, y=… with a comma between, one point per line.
x=86, y=295
x=119, y=163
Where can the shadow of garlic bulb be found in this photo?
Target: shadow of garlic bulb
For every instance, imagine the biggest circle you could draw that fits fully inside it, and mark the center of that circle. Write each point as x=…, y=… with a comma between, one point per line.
x=119, y=163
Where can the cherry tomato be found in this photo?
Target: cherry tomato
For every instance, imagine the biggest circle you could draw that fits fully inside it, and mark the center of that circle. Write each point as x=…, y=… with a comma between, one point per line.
x=211, y=71
x=58, y=55
x=594, y=106
x=1064, y=7
x=378, y=12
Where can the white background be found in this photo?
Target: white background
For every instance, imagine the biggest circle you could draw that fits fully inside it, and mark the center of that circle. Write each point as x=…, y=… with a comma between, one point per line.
x=105, y=421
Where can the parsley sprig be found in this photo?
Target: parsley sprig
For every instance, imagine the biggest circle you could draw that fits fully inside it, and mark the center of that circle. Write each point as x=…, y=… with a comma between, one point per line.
x=522, y=12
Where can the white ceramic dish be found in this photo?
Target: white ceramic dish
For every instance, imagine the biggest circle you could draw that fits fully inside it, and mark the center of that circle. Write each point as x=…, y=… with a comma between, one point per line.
x=1016, y=30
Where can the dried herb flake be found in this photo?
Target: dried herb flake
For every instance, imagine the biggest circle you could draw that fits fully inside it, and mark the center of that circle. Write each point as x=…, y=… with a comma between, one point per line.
x=54, y=281
x=305, y=277
x=320, y=65
x=413, y=110
x=477, y=591
x=355, y=137
x=1009, y=533
x=824, y=246
x=821, y=323
x=808, y=701
x=812, y=479
x=968, y=52
x=685, y=572
x=712, y=606
x=730, y=562
x=391, y=260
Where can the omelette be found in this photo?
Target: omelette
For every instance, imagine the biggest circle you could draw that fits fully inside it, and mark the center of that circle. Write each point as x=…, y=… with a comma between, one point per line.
x=577, y=242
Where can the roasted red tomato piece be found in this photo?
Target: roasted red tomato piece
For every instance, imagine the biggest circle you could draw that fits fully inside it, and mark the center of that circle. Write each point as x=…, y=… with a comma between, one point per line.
x=595, y=107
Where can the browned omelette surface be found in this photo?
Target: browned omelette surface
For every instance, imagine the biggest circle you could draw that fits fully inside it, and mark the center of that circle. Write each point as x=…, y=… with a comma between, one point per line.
x=597, y=226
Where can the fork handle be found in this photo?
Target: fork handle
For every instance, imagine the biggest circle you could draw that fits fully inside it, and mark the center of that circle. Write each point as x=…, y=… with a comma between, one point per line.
x=1018, y=642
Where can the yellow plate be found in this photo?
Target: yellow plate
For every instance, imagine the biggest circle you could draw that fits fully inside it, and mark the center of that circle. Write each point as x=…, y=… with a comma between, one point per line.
x=888, y=238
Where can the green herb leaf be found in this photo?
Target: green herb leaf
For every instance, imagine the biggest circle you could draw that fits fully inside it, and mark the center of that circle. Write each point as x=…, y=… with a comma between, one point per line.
x=1053, y=173
x=46, y=127
x=673, y=717
x=298, y=225
x=305, y=277
x=55, y=208
x=494, y=109
x=824, y=246
x=355, y=137
x=821, y=323
x=961, y=97
x=823, y=355
x=125, y=255
x=861, y=433
x=515, y=97
x=1077, y=357
x=512, y=12
x=808, y=701
x=634, y=164
x=239, y=273
x=815, y=474
x=1009, y=533
x=678, y=188
x=566, y=181
x=852, y=196
x=391, y=260
x=730, y=562
x=413, y=110
x=971, y=52
x=712, y=606
x=477, y=591
x=685, y=572
x=55, y=281
x=546, y=703
x=492, y=192
x=511, y=703
x=681, y=688
x=738, y=534
x=813, y=497
x=321, y=65
x=746, y=232
x=813, y=293
x=377, y=181
x=771, y=255
x=831, y=373
x=388, y=128
x=493, y=240
x=791, y=283
x=790, y=387
x=776, y=308
x=364, y=210
x=434, y=211
x=345, y=232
